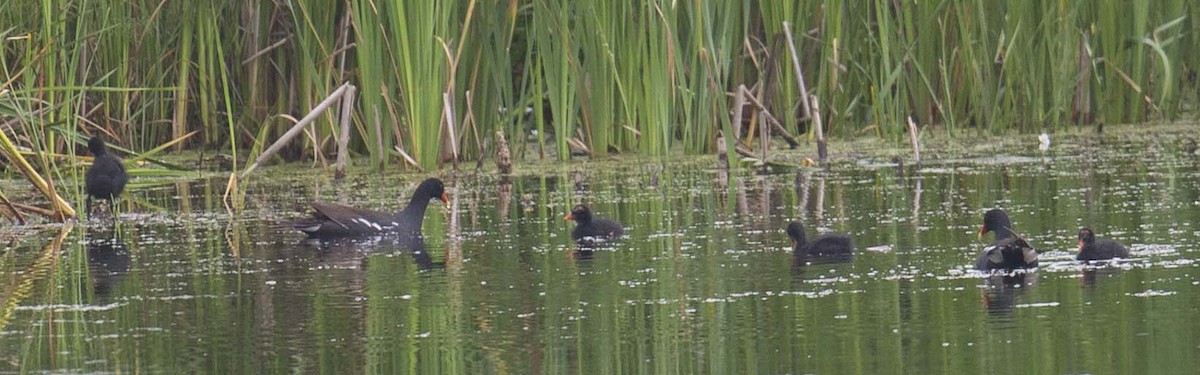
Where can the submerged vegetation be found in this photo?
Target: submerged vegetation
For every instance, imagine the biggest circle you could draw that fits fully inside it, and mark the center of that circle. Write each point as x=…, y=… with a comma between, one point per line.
x=436, y=79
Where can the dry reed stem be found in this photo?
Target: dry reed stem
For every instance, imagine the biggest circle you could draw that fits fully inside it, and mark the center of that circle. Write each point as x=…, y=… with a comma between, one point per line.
x=339, y=167
x=818, y=129
x=291, y=133
x=808, y=110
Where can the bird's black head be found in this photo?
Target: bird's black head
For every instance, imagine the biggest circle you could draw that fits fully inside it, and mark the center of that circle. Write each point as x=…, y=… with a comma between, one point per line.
x=432, y=188
x=96, y=146
x=1086, y=237
x=795, y=231
x=580, y=214
x=996, y=220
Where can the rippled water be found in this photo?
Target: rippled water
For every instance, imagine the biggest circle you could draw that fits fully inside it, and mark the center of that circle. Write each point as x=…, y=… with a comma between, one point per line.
x=703, y=282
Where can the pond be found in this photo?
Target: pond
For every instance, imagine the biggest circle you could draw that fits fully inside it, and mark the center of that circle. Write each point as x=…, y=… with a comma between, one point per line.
x=702, y=282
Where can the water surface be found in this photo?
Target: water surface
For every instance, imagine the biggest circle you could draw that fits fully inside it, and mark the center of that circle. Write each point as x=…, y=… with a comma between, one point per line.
x=703, y=282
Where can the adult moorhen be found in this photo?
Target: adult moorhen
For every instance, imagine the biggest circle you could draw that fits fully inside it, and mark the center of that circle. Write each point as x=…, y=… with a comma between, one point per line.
x=589, y=230
x=833, y=244
x=106, y=178
x=1092, y=248
x=1009, y=251
x=333, y=221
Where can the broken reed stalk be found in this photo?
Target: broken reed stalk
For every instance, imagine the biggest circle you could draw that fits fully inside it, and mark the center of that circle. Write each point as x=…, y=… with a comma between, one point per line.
x=34, y=209
x=339, y=168
x=775, y=124
x=743, y=151
x=269, y=48
x=808, y=110
x=300, y=125
x=739, y=101
x=818, y=129
x=470, y=119
x=576, y=145
x=722, y=151
x=62, y=209
x=912, y=137
x=231, y=199
x=1081, y=106
x=398, y=145
x=503, y=154
x=764, y=136
x=408, y=158
x=16, y=213
x=448, y=106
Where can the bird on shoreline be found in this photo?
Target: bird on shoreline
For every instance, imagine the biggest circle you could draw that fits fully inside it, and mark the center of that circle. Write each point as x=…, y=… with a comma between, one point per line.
x=106, y=178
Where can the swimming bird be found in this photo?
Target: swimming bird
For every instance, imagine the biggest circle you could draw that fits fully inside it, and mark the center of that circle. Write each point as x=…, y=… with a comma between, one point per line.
x=1009, y=251
x=333, y=221
x=106, y=178
x=1092, y=248
x=589, y=229
x=824, y=245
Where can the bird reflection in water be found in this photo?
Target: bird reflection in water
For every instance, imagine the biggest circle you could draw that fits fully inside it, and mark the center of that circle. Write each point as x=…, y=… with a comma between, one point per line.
x=1002, y=290
x=1090, y=274
x=351, y=252
x=108, y=262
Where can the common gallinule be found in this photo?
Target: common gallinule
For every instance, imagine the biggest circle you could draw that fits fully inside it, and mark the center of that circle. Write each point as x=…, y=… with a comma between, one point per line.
x=824, y=245
x=590, y=229
x=332, y=221
x=106, y=178
x=1010, y=251
x=1092, y=248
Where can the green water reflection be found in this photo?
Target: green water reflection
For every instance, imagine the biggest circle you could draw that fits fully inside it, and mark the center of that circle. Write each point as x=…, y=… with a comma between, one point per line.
x=703, y=283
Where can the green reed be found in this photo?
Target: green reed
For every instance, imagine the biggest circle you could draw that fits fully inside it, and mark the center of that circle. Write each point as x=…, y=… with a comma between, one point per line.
x=598, y=96
x=555, y=50
x=648, y=77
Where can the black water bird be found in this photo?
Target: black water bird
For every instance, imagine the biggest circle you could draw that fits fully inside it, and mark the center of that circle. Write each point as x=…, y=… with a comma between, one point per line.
x=334, y=221
x=827, y=245
x=106, y=178
x=589, y=229
x=1009, y=251
x=1092, y=248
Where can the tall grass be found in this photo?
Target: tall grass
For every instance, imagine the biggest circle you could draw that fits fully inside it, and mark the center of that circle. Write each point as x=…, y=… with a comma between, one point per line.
x=648, y=77
x=555, y=52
